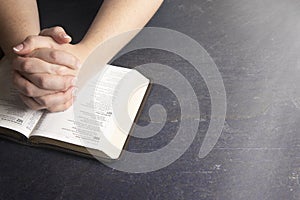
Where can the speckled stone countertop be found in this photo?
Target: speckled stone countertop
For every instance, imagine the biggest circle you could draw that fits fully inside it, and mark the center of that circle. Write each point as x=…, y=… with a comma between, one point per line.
x=256, y=47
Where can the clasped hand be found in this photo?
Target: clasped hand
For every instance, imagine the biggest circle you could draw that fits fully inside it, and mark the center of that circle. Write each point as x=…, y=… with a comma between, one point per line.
x=45, y=69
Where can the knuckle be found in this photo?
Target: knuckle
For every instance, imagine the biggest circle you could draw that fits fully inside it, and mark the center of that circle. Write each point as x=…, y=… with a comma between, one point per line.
x=57, y=29
x=66, y=97
x=66, y=84
x=54, y=55
x=52, y=45
x=28, y=90
x=67, y=105
x=43, y=101
x=42, y=81
x=75, y=61
x=60, y=71
x=25, y=65
x=30, y=39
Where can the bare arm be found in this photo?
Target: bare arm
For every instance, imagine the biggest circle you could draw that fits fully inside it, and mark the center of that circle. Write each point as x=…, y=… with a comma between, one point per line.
x=19, y=19
x=116, y=17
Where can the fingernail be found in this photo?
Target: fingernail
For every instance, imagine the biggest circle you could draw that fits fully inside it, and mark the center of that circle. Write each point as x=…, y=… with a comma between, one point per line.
x=18, y=47
x=74, y=81
x=66, y=36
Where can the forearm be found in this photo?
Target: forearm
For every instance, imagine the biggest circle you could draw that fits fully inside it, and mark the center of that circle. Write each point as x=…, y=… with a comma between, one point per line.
x=18, y=19
x=116, y=17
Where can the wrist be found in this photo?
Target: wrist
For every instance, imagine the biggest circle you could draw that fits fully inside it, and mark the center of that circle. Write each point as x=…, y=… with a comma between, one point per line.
x=82, y=51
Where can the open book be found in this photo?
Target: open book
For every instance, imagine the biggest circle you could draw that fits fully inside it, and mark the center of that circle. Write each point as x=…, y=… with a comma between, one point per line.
x=97, y=124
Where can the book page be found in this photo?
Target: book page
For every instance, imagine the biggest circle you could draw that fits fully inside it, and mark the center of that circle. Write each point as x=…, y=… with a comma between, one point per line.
x=13, y=113
x=89, y=122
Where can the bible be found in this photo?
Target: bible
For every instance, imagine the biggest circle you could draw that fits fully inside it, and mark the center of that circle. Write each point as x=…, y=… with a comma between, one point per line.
x=98, y=124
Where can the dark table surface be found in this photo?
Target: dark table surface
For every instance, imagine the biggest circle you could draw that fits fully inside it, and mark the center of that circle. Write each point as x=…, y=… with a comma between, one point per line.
x=256, y=47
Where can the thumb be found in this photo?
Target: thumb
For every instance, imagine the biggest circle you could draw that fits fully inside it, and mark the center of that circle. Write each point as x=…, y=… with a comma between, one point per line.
x=31, y=43
x=57, y=33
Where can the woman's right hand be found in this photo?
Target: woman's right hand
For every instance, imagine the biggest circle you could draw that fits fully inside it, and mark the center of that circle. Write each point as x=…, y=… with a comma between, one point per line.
x=44, y=73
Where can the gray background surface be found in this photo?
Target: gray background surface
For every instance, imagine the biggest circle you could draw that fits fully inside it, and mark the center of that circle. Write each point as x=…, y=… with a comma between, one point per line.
x=255, y=45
